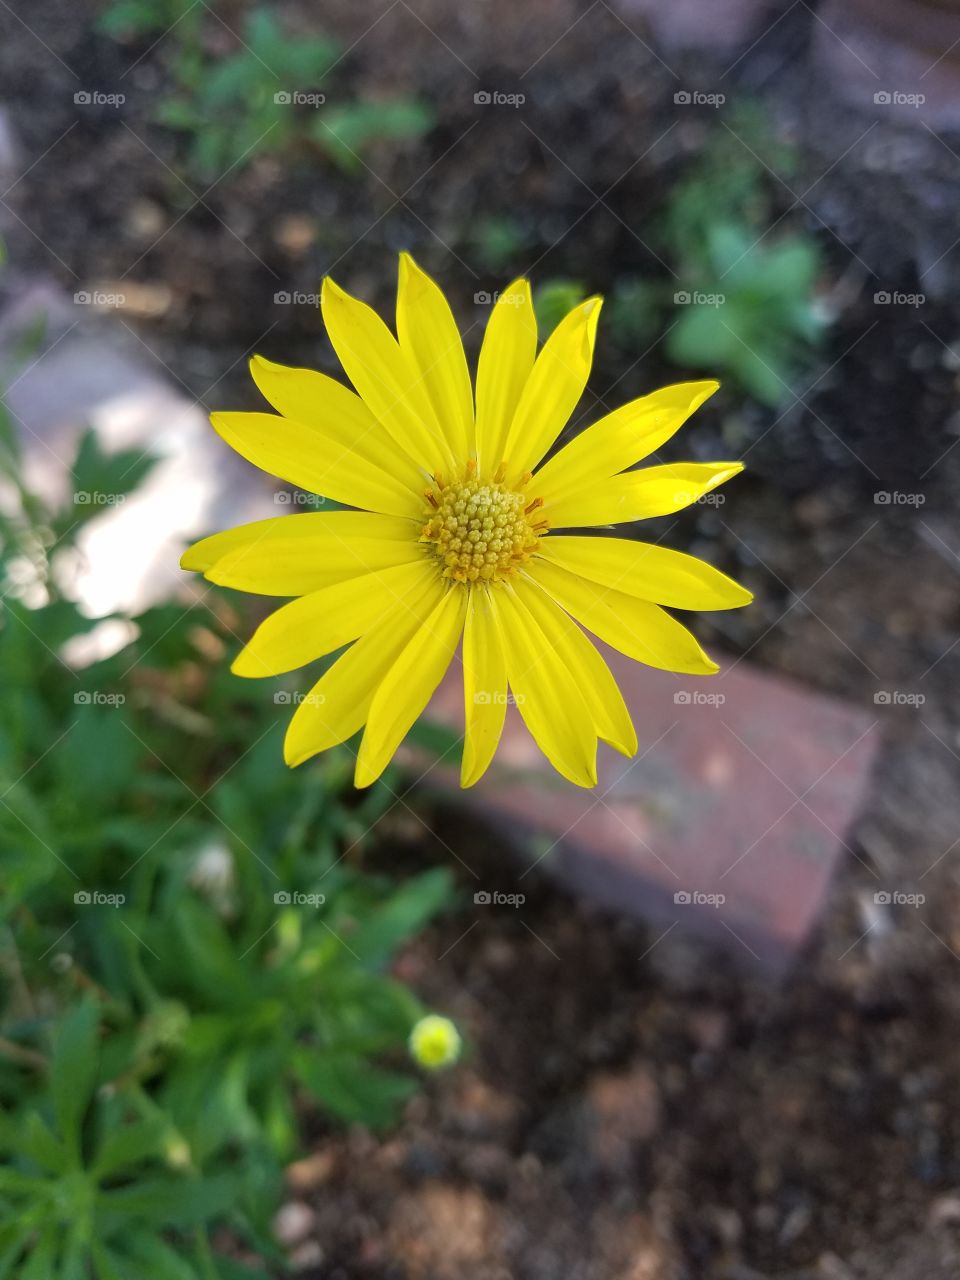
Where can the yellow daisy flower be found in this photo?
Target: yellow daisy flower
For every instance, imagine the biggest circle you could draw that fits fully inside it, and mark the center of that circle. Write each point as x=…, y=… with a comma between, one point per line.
x=458, y=532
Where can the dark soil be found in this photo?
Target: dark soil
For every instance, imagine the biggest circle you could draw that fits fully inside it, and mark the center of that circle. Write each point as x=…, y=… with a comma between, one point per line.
x=629, y=1110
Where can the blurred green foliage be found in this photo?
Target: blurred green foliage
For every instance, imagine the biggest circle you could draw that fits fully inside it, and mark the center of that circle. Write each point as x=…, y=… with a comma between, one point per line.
x=552, y=300
x=347, y=132
x=98, y=1178
x=130, y=19
x=742, y=302
x=753, y=315
x=498, y=239
x=633, y=312
x=263, y=97
x=191, y=948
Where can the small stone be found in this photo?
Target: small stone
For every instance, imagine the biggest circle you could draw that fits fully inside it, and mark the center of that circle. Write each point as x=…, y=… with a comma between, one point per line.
x=145, y=220
x=727, y=1224
x=944, y=1211
x=830, y=1267
x=306, y=1256
x=145, y=301
x=295, y=233
x=293, y=1222
x=795, y=1224
x=310, y=1172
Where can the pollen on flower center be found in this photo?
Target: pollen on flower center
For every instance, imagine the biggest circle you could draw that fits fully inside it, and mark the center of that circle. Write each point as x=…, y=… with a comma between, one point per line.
x=482, y=530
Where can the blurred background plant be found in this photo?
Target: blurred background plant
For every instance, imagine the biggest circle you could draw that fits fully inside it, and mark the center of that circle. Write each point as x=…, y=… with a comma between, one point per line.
x=131, y=19
x=266, y=95
x=747, y=280
x=190, y=953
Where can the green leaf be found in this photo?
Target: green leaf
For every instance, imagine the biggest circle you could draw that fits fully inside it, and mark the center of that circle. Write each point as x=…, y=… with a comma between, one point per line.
x=36, y=1141
x=174, y=1202
x=129, y=1145
x=41, y=1264
x=382, y=930
x=230, y=1269
x=155, y=1260
x=75, y=1252
x=73, y=1071
x=105, y=1262
x=352, y=1089
x=100, y=478
x=13, y=1241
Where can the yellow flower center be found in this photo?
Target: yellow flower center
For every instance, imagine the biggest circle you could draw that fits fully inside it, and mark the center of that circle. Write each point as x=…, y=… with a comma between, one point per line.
x=482, y=530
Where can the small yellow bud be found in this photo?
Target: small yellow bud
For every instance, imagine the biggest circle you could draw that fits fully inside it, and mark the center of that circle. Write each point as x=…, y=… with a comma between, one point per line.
x=177, y=1152
x=435, y=1042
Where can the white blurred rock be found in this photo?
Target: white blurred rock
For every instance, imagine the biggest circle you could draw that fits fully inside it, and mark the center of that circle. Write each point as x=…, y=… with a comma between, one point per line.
x=91, y=373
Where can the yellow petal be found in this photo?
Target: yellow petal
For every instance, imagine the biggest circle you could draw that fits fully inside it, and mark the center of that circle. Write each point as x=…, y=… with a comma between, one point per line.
x=484, y=686
x=207, y=551
x=391, y=386
x=409, y=685
x=318, y=459
x=429, y=336
x=639, y=495
x=546, y=692
x=637, y=628
x=316, y=624
x=554, y=387
x=579, y=655
x=318, y=401
x=291, y=555
x=621, y=439
x=645, y=570
x=506, y=361
x=337, y=705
